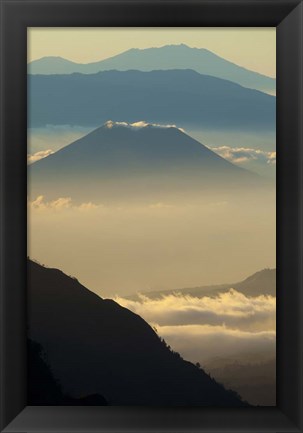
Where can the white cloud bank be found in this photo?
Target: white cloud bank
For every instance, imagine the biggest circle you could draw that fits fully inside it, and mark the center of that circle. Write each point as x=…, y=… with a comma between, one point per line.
x=231, y=309
x=38, y=155
x=61, y=203
x=229, y=325
x=242, y=155
x=202, y=343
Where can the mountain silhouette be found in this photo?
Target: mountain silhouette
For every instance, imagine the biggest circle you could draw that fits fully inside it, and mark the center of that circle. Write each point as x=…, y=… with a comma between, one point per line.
x=182, y=97
x=95, y=346
x=168, y=57
x=125, y=161
x=260, y=283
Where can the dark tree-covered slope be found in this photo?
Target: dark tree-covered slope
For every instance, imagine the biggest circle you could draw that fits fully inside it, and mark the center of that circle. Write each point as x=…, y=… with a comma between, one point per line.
x=95, y=346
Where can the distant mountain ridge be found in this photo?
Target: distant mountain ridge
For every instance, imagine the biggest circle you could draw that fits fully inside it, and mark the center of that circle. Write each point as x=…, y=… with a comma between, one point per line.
x=260, y=283
x=121, y=161
x=182, y=97
x=96, y=347
x=167, y=57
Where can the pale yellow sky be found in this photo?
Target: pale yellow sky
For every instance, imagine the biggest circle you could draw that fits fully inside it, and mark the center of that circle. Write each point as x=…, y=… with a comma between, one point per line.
x=253, y=48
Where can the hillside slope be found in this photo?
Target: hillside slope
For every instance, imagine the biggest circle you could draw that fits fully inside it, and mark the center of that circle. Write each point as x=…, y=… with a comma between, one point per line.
x=94, y=346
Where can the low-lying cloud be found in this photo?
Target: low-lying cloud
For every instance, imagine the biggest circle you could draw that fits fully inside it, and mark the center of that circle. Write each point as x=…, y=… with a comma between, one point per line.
x=38, y=155
x=40, y=203
x=61, y=203
x=241, y=155
x=231, y=309
x=229, y=325
x=202, y=343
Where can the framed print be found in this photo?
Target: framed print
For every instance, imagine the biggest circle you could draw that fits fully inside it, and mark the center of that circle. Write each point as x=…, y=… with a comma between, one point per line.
x=164, y=196
x=151, y=198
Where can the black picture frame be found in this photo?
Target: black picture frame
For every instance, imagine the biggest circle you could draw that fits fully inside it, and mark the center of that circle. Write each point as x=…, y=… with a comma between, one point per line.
x=16, y=16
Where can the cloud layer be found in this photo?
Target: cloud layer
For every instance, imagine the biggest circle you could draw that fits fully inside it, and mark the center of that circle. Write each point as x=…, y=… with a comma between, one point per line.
x=38, y=155
x=61, y=203
x=231, y=309
x=229, y=325
x=202, y=343
x=241, y=155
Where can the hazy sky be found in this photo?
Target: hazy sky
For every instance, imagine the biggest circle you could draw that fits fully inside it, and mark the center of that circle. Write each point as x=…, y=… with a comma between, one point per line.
x=124, y=249
x=253, y=48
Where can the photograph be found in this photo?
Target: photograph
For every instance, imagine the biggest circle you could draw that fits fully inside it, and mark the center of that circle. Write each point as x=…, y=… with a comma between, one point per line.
x=151, y=216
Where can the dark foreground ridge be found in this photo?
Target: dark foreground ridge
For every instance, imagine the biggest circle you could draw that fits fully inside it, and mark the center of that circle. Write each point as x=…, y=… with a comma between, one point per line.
x=98, y=351
x=44, y=390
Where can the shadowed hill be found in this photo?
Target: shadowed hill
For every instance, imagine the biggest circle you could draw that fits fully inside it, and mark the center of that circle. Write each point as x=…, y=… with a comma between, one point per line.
x=181, y=97
x=94, y=346
x=168, y=57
